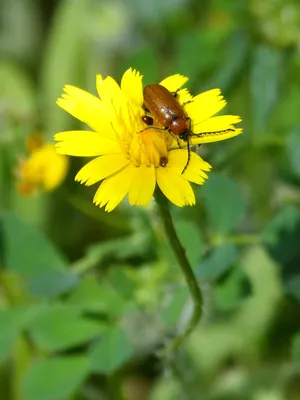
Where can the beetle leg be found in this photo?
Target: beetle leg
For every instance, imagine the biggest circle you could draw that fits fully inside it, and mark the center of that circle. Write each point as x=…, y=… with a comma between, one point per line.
x=187, y=102
x=176, y=138
x=175, y=94
x=189, y=155
x=145, y=108
x=153, y=127
x=187, y=139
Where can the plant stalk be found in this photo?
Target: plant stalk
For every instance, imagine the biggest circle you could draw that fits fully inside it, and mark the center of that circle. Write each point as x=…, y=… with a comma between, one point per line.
x=163, y=206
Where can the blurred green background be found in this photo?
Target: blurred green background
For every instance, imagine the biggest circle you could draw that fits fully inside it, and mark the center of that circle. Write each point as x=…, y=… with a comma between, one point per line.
x=88, y=300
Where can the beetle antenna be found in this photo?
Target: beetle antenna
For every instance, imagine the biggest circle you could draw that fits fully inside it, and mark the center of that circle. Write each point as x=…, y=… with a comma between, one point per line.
x=211, y=133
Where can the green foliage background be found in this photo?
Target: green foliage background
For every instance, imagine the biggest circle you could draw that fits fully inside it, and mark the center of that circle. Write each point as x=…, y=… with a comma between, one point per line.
x=88, y=300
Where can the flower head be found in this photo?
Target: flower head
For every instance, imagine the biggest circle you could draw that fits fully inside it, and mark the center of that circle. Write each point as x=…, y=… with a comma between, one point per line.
x=43, y=169
x=130, y=157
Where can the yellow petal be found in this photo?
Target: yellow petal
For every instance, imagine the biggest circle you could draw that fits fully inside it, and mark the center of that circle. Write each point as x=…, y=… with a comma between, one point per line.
x=114, y=188
x=55, y=172
x=219, y=123
x=85, y=144
x=109, y=92
x=215, y=137
x=100, y=168
x=115, y=103
x=216, y=128
x=43, y=169
x=174, y=82
x=82, y=96
x=142, y=186
x=85, y=107
x=131, y=85
x=184, y=96
x=175, y=187
x=205, y=105
x=194, y=172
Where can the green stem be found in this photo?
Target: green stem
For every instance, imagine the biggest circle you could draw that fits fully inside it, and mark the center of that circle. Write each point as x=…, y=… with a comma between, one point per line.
x=115, y=386
x=163, y=206
x=236, y=239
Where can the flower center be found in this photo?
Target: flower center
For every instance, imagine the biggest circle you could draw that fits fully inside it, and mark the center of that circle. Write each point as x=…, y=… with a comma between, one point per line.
x=148, y=147
x=143, y=145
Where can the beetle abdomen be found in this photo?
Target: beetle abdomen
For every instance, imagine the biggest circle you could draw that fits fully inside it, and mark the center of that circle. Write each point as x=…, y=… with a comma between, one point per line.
x=162, y=104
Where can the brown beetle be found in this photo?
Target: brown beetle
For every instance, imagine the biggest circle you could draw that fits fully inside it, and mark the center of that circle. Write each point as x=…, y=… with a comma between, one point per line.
x=166, y=109
x=169, y=113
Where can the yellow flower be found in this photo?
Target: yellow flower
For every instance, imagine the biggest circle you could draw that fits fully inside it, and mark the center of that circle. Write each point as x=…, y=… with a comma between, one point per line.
x=130, y=159
x=43, y=169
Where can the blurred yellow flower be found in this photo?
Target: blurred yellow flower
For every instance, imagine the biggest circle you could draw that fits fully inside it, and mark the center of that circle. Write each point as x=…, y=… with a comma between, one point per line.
x=129, y=159
x=43, y=169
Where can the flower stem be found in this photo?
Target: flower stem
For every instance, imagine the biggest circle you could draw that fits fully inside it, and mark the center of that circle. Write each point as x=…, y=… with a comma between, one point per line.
x=163, y=206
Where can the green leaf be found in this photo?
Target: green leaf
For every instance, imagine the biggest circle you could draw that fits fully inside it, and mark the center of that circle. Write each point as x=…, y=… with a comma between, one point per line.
x=20, y=359
x=146, y=61
x=121, y=281
x=51, y=283
x=230, y=292
x=118, y=249
x=281, y=235
x=296, y=350
x=109, y=25
x=121, y=248
x=60, y=327
x=90, y=296
x=224, y=203
x=285, y=221
x=55, y=379
x=16, y=91
x=156, y=11
x=172, y=313
x=286, y=114
x=264, y=85
x=218, y=261
x=62, y=64
x=211, y=345
x=226, y=75
x=26, y=251
x=167, y=388
x=12, y=321
x=206, y=42
x=111, y=351
x=190, y=238
x=17, y=316
x=21, y=28
x=293, y=149
x=8, y=337
x=292, y=286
